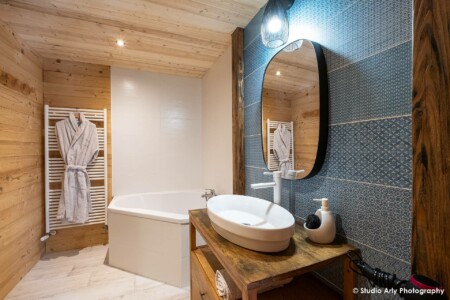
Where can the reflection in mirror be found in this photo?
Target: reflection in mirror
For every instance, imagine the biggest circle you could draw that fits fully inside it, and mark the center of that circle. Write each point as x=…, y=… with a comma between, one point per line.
x=295, y=110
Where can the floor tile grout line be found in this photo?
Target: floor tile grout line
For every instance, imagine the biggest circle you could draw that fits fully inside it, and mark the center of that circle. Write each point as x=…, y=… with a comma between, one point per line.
x=371, y=120
x=371, y=55
x=89, y=264
x=367, y=183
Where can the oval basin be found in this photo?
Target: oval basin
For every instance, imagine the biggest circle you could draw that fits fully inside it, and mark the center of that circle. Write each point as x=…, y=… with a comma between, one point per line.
x=251, y=222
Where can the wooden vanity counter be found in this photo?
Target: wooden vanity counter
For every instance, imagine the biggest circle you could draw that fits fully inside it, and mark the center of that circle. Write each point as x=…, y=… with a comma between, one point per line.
x=255, y=271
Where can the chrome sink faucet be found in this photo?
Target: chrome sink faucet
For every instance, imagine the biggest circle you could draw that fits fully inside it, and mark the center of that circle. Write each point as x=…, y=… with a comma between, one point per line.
x=209, y=193
x=276, y=184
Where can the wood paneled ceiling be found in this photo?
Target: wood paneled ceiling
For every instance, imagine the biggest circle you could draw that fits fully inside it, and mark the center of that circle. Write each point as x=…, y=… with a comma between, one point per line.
x=182, y=37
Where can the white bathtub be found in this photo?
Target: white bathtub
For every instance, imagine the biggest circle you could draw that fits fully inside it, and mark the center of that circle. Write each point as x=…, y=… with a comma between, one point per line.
x=149, y=234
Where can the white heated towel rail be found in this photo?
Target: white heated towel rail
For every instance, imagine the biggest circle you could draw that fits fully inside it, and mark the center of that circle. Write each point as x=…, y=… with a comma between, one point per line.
x=273, y=162
x=54, y=168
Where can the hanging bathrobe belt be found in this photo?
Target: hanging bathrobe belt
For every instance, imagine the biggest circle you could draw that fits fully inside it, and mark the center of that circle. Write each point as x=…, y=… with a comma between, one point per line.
x=88, y=182
x=75, y=202
x=75, y=167
x=78, y=168
x=81, y=169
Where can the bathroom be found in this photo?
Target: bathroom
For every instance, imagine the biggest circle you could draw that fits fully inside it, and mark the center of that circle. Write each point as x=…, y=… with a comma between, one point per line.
x=179, y=93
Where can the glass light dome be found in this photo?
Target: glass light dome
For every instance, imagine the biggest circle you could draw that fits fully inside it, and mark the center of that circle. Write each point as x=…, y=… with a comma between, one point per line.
x=275, y=25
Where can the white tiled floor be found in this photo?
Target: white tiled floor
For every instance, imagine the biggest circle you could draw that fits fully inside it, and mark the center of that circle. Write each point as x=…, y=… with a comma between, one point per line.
x=83, y=275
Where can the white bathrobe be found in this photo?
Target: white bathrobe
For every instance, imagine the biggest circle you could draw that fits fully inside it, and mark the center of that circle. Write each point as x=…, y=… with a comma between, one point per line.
x=281, y=149
x=78, y=144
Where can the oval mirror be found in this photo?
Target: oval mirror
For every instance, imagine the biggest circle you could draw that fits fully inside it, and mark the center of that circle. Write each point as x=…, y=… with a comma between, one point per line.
x=295, y=110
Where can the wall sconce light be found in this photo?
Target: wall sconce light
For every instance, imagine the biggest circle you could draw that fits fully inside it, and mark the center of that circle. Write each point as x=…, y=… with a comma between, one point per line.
x=275, y=23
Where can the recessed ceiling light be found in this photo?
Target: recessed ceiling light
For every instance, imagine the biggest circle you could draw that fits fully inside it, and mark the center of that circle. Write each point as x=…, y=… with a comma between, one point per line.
x=278, y=73
x=120, y=43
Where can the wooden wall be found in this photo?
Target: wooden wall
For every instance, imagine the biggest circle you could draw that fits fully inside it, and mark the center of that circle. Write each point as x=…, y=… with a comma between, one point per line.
x=431, y=140
x=79, y=85
x=276, y=106
x=237, y=63
x=302, y=108
x=306, y=118
x=21, y=160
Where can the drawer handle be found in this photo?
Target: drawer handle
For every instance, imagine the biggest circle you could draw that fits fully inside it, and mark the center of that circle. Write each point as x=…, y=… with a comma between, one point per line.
x=202, y=294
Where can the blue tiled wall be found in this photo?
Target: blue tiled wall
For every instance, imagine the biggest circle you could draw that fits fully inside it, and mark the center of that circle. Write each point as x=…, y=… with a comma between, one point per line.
x=367, y=170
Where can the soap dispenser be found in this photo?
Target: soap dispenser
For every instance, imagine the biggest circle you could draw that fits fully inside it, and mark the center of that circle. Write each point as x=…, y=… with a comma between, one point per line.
x=326, y=232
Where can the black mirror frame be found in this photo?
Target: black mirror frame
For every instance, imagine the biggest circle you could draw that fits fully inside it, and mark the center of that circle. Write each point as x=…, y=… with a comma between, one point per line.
x=324, y=109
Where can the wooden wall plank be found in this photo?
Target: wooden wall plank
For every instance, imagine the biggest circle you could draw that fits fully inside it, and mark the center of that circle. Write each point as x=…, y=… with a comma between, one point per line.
x=306, y=117
x=238, y=111
x=431, y=140
x=79, y=85
x=77, y=238
x=71, y=67
x=21, y=160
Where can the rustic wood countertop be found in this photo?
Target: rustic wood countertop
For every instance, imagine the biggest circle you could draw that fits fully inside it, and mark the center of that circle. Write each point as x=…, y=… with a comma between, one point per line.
x=256, y=270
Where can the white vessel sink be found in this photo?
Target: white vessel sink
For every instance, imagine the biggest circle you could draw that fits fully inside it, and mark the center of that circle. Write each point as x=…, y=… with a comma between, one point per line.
x=251, y=222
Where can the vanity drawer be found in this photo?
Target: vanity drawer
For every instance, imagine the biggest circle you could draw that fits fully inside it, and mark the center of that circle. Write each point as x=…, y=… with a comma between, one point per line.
x=202, y=284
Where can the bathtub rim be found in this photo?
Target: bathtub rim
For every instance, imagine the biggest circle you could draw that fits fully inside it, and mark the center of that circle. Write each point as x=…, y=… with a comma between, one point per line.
x=168, y=217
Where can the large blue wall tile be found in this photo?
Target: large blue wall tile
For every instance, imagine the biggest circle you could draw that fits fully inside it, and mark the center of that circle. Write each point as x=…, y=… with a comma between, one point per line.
x=252, y=119
x=366, y=28
x=376, y=87
x=256, y=55
x=375, y=215
x=376, y=151
x=253, y=29
x=253, y=87
x=253, y=151
x=379, y=86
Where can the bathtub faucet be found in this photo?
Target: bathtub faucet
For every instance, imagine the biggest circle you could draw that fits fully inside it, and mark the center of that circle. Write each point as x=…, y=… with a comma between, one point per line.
x=209, y=194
